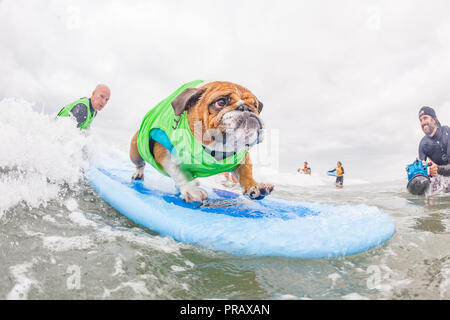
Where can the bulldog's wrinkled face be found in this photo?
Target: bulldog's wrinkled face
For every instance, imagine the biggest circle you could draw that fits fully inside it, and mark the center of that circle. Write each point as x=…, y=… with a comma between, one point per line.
x=222, y=115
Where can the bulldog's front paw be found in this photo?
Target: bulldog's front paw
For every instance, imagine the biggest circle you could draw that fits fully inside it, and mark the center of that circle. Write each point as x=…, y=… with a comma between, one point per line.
x=259, y=191
x=190, y=192
x=138, y=174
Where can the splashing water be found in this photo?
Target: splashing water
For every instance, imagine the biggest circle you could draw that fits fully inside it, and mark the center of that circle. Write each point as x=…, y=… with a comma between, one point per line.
x=39, y=154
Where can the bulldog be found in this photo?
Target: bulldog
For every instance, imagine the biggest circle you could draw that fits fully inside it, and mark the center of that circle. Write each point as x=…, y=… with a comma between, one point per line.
x=200, y=130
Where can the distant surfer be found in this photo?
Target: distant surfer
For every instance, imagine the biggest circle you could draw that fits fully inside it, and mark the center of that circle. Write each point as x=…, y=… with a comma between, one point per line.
x=339, y=174
x=84, y=110
x=435, y=148
x=305, y=169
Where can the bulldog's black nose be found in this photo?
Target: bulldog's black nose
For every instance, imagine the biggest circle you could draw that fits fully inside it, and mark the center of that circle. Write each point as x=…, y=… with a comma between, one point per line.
x=243, y=107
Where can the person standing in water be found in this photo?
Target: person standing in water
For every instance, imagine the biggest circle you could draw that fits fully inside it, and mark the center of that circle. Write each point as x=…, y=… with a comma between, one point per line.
x=340, y=174
x=435, y=145
x=305, y=169
x=84, y=110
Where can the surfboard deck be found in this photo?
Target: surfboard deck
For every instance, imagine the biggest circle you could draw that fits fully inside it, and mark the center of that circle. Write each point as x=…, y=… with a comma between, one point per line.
x=332, y=174
x=231, y=222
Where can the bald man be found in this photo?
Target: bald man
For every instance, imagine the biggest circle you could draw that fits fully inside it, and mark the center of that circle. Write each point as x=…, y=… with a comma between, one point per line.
x=85, y=110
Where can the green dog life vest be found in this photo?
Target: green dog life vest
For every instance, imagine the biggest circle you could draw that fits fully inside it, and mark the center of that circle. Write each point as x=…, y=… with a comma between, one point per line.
x=65, y=112
x=162, y=125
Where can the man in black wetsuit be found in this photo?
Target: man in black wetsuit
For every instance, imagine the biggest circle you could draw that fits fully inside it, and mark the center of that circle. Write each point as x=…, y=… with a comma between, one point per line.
x=435, y=145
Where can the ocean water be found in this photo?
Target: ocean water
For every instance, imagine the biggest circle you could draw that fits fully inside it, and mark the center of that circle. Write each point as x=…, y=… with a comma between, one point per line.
x=60, y=240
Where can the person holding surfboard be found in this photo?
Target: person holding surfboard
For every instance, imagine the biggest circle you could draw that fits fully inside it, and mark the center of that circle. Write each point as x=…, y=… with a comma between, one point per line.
x=84, y=110
x=339, y=174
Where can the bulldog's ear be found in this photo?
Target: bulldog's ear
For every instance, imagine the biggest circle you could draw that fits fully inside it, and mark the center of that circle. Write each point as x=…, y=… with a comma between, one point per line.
x=260, y=106
x=186, y=99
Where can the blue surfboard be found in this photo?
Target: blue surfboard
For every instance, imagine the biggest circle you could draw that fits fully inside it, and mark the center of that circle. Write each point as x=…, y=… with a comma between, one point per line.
x=231, y=222
x=332, y=174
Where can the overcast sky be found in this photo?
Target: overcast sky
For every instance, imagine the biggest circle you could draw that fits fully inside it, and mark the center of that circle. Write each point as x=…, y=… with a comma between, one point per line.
x=340, y=80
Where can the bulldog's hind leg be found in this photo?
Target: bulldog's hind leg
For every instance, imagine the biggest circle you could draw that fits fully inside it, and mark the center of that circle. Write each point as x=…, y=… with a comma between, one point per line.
x=136, y=158
x=190, y=191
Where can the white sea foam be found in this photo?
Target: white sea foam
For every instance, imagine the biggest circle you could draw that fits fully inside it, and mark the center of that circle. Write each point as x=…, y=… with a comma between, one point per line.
x=445, y=283
x=71, y=204
x=38, y=154
x=177, y=268
x=80, y=219
x=140, y=237
x=334, y=277
x=354, y=296
x=118, y=267
x=291, y=297
x=59, y=244
x=139, y=288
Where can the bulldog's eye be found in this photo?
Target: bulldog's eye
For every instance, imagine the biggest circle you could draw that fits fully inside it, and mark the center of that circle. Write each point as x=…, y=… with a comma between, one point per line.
x=259, y=106
x=219, y=104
